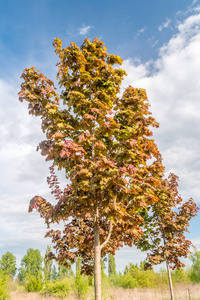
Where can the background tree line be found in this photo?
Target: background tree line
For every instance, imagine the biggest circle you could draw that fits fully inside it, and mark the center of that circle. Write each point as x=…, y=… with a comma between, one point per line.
x=39, y=274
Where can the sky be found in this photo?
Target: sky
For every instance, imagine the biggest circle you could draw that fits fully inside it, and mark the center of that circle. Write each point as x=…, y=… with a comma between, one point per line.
x=159, y=42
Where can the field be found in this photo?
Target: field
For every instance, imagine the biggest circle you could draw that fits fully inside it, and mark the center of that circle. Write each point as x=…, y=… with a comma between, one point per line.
x=181, y=291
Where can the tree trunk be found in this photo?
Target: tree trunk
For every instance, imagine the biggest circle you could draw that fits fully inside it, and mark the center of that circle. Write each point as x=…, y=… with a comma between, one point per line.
x=97, y=263
x=170, y=281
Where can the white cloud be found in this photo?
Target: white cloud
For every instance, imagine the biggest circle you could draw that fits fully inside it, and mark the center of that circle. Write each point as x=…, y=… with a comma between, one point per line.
x=140, y=31
x=84, y=30
x=173, y=90
x=190, y=27
x=135, y=69
x=194, y=2
x=165, y=25
x=197, y=8
x=196, y=242
x=23, y=172
x=153, y=41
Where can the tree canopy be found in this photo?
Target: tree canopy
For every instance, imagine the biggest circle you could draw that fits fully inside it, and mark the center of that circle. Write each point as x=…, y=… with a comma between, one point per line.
x=31, y=264
x=102, y=138
x=103, y=143
x=8, y=263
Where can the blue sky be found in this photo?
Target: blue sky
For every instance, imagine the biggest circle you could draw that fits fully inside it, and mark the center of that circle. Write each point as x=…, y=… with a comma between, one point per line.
x=159, y=42
x=129, y=28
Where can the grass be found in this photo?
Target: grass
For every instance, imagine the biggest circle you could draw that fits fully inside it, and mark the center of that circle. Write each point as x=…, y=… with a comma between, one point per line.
x=186, y=291
x=34, y=296
x=181, y=292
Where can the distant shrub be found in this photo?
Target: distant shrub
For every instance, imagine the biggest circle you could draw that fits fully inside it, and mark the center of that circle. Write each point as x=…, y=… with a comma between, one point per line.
x=136, y=276
x=59, y=288
x=124, y=281
x=148, y=279
x=81, y=286
x=163, y=277
x=179, y=276
x=4, y=293
x=33, y=283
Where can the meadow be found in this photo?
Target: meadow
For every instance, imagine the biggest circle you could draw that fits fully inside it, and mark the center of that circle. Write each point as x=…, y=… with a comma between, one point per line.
x=189, y=291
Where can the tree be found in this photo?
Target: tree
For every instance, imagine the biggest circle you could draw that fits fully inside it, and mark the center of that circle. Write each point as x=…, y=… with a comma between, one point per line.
x=47, y=264
x=54, y=273
x=8, y=263
x=31, y=265
x=131, y=269
x=195, y=268
x=104, y=144
x=166, y=223
x=111, y=265
x=78, y=265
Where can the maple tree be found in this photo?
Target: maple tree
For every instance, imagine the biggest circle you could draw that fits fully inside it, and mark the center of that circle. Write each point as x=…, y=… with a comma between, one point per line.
x=104, y=143
x=165, y=225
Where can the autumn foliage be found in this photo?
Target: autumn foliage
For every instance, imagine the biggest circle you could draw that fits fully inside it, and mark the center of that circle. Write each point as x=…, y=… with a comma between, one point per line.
x=165, y=226
x=103, y=141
